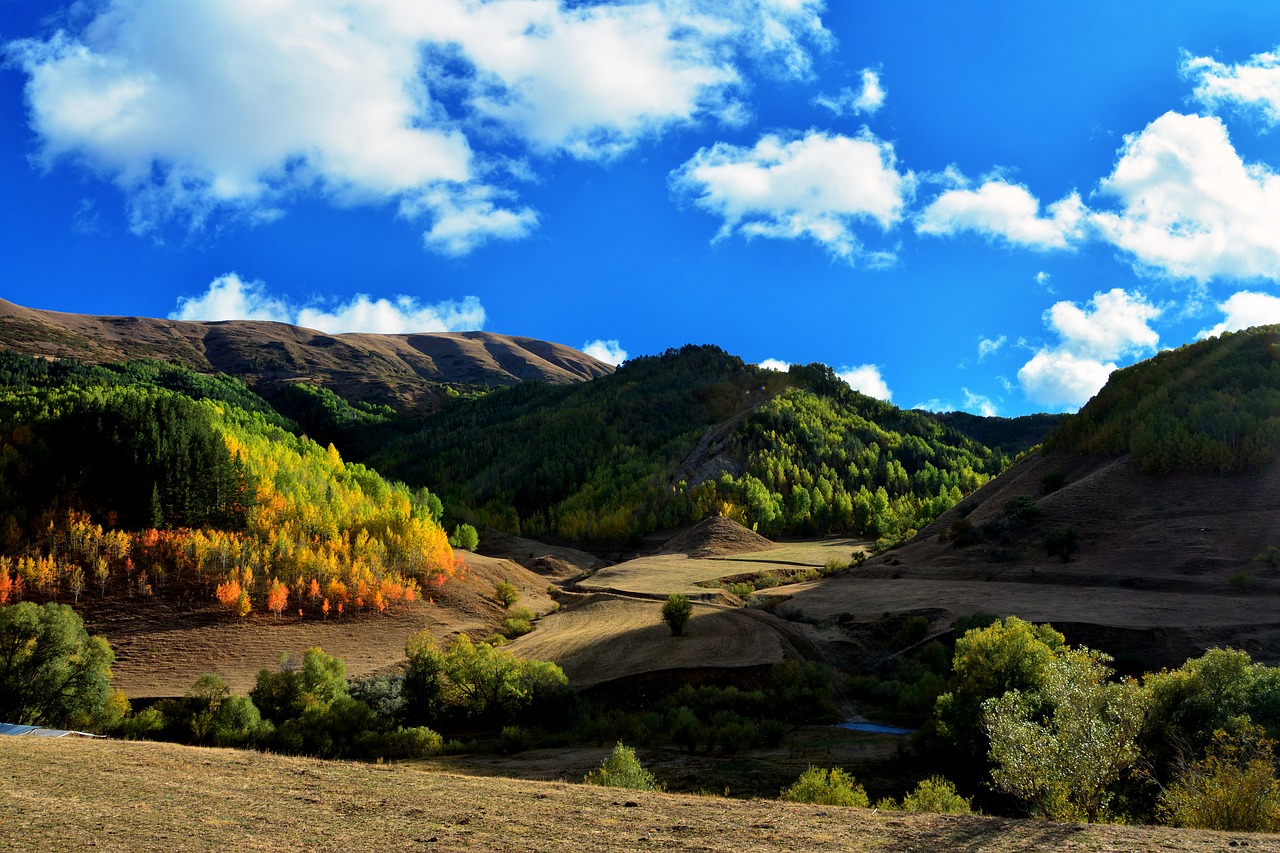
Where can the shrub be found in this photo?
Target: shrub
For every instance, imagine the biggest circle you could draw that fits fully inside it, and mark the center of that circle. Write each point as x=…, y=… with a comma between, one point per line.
x=936, y=795
x=1242, y=582
x=622, y=770
x=676, y=613
x=1052, y=481
x=506, y=593
x=832, y=787
x=514, y=739
x=962, y=533
x=519, y=623
x=742, y=590
x=1023, y=511
x=1233, y=788
x=1062, y=542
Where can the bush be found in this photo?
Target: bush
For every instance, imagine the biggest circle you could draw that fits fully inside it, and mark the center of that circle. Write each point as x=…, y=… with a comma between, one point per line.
x=1052, y=481
x=826, y=787
x=622, y=770
x=506, y=593
x=1234, y=788
x=676, y=613
x=936, y=795
x=1062, y=542
x=1023, y=511
x=742, y=590
x=962, y=533
x=519, y=623
x=1242, y=582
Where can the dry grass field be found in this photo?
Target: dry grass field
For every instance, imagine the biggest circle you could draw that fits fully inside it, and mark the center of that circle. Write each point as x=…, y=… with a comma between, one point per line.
x=112, y=795
x=161, y=649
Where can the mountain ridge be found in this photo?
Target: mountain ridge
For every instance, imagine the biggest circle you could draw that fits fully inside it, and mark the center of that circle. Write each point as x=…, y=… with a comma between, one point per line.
x=410, y=372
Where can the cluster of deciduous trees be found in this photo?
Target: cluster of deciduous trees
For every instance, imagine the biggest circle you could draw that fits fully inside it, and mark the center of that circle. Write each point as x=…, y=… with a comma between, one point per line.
x=113, y=483
x=1055, y=729
x=602, y=461
x=1212, y=406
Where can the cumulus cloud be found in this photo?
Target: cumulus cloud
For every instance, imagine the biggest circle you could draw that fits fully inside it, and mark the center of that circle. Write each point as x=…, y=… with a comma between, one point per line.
x=1001, y=210
x=819, y=186
x=230, y=297
x=1243, y=310
x=869, y=98
x=1253, y=85
x=979, y=404
x=1111, y=326
x=610, y=352
x=775, y=364
x=866, y=379
x=988, y=347
x=1190, y=207
x=231, y=107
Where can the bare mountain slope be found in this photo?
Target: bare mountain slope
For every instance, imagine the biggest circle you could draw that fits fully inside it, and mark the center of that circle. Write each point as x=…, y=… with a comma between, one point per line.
x=406, y=371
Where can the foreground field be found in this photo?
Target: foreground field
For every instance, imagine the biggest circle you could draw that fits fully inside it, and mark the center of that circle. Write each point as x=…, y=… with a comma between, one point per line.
x=72, y=795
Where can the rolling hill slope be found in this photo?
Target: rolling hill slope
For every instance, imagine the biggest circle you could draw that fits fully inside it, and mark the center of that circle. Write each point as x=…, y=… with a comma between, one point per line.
x=408, y=372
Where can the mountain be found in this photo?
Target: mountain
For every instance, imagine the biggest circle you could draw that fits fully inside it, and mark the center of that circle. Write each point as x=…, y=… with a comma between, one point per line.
x=669, y=439
x=407, y=372
x=1147, y=525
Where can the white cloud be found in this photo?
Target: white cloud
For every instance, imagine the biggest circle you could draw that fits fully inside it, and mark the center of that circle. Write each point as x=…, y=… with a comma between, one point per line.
x=868, y=99
x=231, y=298
x=935, y=404
x=818, y=186
x=1057, y=378
x=1113, y=325
x=866, y=378
x=999, y=209
x=1190, y=207
x=775, y=364
x=236, y=107
x=1243, y=310
x=1251, y=85
x=610, y=352
x=989, y=347
x=979, y=404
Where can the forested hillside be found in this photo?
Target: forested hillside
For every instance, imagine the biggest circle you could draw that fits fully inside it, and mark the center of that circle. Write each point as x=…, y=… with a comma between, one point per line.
x=147, y=479
x=1208, y=407
x=670, y=439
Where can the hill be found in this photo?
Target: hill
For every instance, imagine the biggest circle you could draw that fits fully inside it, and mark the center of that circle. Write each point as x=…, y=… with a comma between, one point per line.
x=1145, y=527
x=669, y=440
x=407, y=372
x=67, y=794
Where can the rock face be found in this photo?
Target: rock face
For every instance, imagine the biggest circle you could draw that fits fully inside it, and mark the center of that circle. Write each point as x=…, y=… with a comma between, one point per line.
x=717, y=537
x=408, y=372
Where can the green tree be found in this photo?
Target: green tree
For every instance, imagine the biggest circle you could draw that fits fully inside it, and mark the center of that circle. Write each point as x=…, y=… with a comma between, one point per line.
x=465, y=537
x=1006, y=655
x=676, y=613
x=1060, y=747
x=622, y=770
x=52, y=673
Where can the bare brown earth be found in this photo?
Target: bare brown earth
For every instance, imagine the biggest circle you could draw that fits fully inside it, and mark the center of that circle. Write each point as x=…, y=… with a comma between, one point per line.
x=552, y=561
x=717, y=537
x=114, y=795
x=162, y=648
x=1152, y=580
x=405, y=371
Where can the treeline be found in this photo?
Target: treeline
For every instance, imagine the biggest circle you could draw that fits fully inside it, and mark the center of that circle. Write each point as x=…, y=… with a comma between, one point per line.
x=601, y=462
x=1211, y=407
x=122, y=486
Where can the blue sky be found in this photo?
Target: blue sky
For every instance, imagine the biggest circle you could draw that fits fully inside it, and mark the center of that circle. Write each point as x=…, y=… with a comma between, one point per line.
x=982, y=209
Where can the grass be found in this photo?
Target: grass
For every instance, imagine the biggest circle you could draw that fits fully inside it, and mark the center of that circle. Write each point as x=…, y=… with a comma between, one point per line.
x=111, y=795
